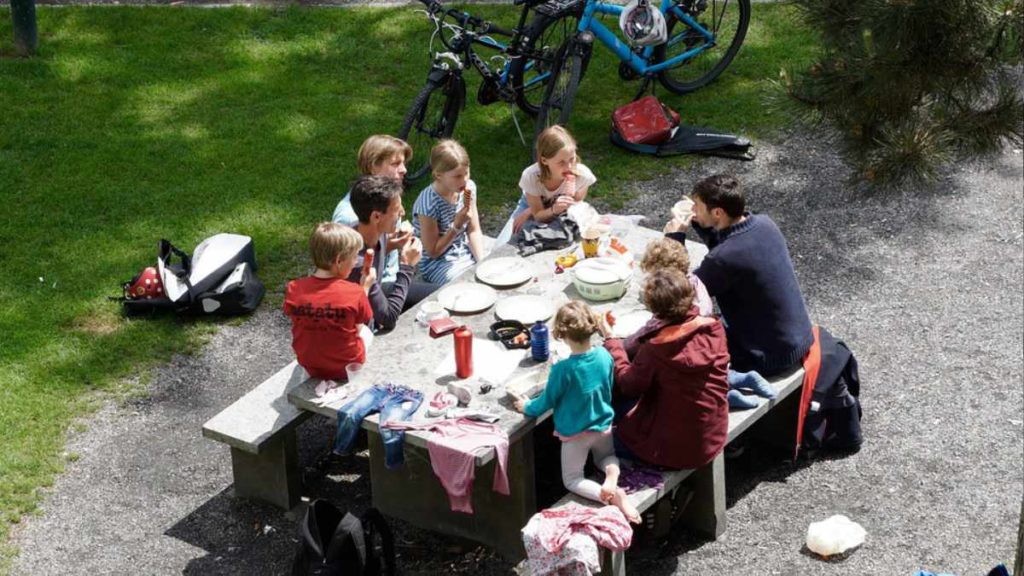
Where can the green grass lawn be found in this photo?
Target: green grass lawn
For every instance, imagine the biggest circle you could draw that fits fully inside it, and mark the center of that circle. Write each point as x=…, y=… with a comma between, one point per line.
x=135, y=124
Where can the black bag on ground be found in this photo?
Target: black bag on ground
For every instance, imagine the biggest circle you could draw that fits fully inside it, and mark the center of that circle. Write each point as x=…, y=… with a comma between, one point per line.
x=833, y=421
x=692, y=140
x=340, y=544
x=220, y=278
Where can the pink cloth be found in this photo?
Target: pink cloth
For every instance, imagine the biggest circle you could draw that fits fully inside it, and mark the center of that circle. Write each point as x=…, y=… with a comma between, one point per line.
x=605, y=525
x=453, y=448
x=564, y=541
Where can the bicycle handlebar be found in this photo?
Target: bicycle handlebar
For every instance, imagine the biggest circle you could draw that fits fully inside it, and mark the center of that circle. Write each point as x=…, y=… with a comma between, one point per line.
x=480, y=26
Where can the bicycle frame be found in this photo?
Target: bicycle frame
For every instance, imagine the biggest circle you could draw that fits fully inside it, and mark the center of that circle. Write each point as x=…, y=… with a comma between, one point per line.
x=639, y=62
x=465, y=50
x=503, y=73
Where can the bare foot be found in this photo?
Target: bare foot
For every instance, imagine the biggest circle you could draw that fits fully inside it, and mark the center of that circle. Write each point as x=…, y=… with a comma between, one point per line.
x=608, y=490
x=628, y=510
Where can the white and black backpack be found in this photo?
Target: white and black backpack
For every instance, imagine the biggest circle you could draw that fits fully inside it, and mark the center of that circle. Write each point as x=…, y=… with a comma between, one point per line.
x=218, y=278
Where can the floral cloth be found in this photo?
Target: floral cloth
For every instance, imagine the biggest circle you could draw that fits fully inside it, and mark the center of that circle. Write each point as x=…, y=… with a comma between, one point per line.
x=564, y=541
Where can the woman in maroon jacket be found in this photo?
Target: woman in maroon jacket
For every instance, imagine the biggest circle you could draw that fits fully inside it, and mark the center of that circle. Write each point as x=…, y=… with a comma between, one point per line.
x=675, y=367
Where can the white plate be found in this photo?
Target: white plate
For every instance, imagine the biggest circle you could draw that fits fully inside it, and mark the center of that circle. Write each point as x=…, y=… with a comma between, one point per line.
x=504, y=272
x=467, y=297
x=628, y=324
x=526, y=308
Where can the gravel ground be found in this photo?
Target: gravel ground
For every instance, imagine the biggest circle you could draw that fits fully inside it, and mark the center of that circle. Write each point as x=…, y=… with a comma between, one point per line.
x=924, y=285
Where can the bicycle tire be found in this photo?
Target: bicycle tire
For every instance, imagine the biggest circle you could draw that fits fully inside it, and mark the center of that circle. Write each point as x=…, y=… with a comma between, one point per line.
x=556, y=108
x=544, y=34
x=707, y=66
x=430, y=118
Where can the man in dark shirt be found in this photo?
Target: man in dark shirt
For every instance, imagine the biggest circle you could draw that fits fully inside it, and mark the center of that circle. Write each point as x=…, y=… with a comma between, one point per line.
x=377, y=202
x=749, y=273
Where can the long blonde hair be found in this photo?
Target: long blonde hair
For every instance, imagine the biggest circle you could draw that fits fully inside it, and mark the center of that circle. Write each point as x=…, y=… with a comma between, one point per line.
x=447, y=155
x=550, y=142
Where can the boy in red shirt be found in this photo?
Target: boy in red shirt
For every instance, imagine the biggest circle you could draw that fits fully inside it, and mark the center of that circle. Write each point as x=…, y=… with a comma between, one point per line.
x=326, y=309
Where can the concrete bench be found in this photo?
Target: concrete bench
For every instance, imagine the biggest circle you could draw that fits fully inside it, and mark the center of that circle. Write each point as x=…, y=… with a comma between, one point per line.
x=705, y=512
x=260, y=429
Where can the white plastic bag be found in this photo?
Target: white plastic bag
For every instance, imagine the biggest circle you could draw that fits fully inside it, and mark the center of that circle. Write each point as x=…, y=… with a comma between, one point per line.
x=834, y=536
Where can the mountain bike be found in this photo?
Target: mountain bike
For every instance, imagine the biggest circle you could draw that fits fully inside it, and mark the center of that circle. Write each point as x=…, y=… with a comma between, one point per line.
x=516, y=73
x=703, y=38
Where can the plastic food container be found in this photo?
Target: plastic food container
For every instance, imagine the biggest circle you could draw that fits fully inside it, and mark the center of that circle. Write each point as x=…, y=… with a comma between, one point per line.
x=601, y=279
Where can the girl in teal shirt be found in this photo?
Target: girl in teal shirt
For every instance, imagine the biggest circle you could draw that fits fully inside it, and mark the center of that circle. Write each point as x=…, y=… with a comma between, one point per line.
x=579, y=390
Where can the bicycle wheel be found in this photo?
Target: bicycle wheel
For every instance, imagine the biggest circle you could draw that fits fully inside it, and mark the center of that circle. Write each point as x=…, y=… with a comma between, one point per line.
x=561, y=89
x=727, y=20
x=528, y=75
x=431, y=118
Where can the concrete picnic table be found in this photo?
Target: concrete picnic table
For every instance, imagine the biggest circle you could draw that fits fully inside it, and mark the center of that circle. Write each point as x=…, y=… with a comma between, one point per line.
x=409, y=356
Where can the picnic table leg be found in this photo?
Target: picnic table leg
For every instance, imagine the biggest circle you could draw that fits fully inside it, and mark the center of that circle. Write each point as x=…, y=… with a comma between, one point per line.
x=706, y=511
x=613, y=563
x=414, y=494
x=272, y=475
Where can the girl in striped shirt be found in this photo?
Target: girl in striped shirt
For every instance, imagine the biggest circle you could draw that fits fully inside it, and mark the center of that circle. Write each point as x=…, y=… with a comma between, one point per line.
x=445, y=216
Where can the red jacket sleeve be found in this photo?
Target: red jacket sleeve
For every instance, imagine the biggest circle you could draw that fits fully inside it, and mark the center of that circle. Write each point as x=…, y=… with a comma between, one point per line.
x=631, y=378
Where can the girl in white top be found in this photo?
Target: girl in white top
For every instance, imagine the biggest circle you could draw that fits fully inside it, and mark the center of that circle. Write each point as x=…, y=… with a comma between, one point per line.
x=445, y=216
x=552, y=184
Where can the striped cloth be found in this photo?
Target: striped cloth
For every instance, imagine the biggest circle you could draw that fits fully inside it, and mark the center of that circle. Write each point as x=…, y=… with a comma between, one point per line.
x=457, y=258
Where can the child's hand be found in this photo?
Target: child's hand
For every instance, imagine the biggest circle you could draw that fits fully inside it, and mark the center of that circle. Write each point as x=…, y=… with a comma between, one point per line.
x=367, y=279
x=520, y=403
x=562, y=203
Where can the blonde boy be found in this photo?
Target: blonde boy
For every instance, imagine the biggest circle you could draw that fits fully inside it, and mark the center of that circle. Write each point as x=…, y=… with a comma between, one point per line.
x=326, y=310
x=380, y=155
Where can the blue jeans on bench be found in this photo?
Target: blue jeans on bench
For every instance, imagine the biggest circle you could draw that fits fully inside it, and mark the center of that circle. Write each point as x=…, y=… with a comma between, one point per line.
x=394, y=402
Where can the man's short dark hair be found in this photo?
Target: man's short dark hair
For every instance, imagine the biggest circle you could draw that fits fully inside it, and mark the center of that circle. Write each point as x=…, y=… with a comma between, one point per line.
x=721, y=191
x=371, y=193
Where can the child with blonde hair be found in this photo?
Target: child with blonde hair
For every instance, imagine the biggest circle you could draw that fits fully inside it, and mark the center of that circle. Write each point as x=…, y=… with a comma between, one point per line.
x=379, y=155
x=327, y=310
x=666, y=253
x=445, y=216
x=579, y=390
x=552, y=184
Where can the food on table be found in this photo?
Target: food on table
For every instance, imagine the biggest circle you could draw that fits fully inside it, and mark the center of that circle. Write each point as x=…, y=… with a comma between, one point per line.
x=609, y=318
x=566, y=260
x=617, y=245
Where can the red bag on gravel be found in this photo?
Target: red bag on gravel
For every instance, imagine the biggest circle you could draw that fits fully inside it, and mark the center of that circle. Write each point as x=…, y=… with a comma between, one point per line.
x=645, y=121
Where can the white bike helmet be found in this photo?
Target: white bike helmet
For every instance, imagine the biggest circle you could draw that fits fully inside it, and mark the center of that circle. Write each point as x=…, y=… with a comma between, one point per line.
x=643, y=24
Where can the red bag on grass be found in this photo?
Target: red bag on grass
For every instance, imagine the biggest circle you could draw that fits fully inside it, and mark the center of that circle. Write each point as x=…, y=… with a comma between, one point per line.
x=645, y=121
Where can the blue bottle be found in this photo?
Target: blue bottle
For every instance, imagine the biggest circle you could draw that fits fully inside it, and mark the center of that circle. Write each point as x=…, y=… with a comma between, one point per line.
x=539, y=341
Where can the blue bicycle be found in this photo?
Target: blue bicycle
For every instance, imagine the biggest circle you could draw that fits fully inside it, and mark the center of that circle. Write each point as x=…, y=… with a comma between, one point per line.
x=703, y=37
x=540, y=66
x=516, y=73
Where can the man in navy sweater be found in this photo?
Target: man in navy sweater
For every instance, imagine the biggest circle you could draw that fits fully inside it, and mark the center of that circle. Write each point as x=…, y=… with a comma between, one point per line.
x=750, y=275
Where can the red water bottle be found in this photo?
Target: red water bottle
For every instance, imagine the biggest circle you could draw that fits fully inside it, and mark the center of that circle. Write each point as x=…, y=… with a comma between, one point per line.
x=463, y=352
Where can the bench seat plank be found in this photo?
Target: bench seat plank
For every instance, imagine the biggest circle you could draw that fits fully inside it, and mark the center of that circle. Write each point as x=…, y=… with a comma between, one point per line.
x=260, y=415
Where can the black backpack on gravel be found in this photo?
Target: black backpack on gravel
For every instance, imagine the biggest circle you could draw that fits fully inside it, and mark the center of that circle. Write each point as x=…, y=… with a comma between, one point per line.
x=218, y=279
x=341, y=544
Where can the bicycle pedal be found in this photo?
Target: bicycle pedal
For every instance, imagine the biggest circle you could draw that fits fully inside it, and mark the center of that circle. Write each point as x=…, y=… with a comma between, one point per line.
x=626, y=72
